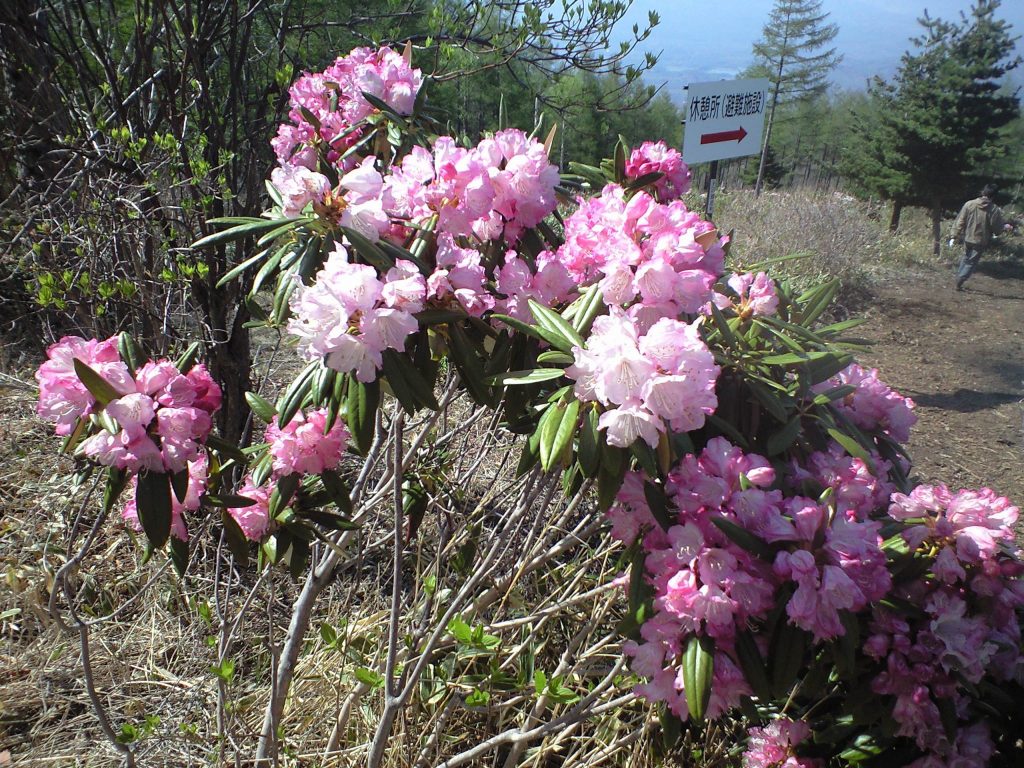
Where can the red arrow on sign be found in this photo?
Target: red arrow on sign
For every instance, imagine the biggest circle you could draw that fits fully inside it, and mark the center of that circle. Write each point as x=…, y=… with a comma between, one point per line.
x=715, y=138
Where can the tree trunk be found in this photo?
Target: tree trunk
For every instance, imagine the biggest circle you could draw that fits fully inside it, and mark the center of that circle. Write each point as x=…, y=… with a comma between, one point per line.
x=894, y=220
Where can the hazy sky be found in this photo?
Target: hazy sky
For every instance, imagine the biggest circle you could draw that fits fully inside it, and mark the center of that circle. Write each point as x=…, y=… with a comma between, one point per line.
x=701, y=40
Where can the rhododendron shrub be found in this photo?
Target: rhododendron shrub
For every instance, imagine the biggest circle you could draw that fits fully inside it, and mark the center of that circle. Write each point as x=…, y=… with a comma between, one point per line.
x=780, y=563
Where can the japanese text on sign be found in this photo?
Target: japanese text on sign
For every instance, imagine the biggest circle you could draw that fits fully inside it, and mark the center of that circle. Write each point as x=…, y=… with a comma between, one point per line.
x=727, y=105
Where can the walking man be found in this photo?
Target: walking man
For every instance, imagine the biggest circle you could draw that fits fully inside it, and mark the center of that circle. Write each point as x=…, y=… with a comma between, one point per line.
x=978, y=222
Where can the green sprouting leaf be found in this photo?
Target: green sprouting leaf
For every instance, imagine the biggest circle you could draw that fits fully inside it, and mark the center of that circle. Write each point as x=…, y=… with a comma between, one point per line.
x=98, y=387
x=460, y=630
x=698, y=668
x=225, y=670
x=153, y=502
x=329, y=635
x=478, y=697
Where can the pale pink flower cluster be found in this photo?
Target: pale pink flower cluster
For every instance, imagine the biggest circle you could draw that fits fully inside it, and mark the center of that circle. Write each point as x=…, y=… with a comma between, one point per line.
x=254, y=520
x=305, y=445
x=551, y=284
x=197, y=474
x=658, y=157
x=774, y=745
x=356, y=203
x=969, y=527
x=874, y=405
x=523, y=180
x=755, y=293
x=63, y=398
x=459, y=279
x=649, y=382
x=334, y=99
x=662, y=259
x=162, y=424
x=497, y=189
x=349, y=316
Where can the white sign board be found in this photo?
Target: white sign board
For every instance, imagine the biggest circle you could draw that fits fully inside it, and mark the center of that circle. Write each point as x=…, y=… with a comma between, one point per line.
x=724, y=119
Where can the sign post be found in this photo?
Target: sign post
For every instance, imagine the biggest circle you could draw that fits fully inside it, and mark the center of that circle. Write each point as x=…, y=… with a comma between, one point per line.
x=724, y=119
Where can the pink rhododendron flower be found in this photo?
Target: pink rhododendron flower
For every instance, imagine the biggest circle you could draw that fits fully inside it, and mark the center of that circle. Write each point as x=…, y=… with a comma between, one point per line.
x=756, y=294
x=658, y=157
x=873, y=405
x=254, y=520
x=523, y=180
x=305, y=446
x=773, y=746
x=299, y=187
x=348, y=316
x=334, y=98
x=664, y=377
x=63, y=398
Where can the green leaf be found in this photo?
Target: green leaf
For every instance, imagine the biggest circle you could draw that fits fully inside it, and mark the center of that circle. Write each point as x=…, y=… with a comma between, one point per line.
x=378, y=103
x=530, y=330
x=227, y=500
x=153, y=502
x=117, y=480
x=744, y=538
x=412, y=390
x=361, y=403
x=238, y=269
x=588, y=308
x=589, y=452
x=179, y=484
x=478, y=697
x=530, y=376
x=749, y=657
x=469, y=365
x=547, y=427
x=188, y=358
x=783, y=438
x=338, y=490
x=262, y=408
x=226, y=448
x=250, y=228
x=236, y=540
x=329, y=635
x=556, y=357
x=850, y=445
x=786, y=655
x=698, y=668
x=369, y=250
x=565, y=432
x=130, y=351
x=831, y=395
x=295, y=395
x=178, y=553
x=98, y=387
x=555, y=324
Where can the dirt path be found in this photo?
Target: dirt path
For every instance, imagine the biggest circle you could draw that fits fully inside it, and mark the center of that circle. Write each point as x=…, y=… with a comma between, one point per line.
x=960, y=356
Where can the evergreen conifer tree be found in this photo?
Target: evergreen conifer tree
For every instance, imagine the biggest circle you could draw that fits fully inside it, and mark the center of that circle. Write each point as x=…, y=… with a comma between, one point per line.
x=793, y=54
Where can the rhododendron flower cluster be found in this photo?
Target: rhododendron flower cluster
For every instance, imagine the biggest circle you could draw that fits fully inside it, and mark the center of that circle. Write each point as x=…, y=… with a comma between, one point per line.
x=658, y=157
x=63, y=398
x=706, y=584
x=162, y=425
x=873, y=406
x=305, y=445
x=662, y=259
x=349, y=316
x=160, y=420
x=551, y=284
x=333, y=98
x=773, y=746
x=858, y=492
x=755, y=292
x=650, y=382
x=197, y=475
